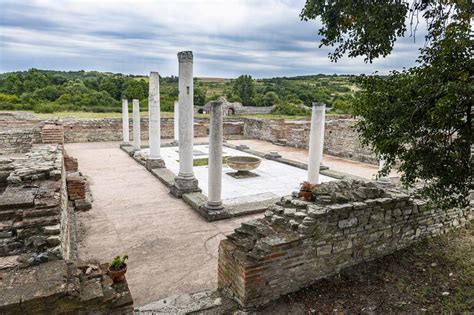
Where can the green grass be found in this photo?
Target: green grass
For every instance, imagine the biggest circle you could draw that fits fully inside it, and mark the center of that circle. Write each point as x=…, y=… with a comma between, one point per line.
x=205, y=161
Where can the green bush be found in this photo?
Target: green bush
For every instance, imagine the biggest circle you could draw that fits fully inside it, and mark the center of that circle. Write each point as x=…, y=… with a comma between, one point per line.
x=7, y=106
x=46, y=108
x=290, y=109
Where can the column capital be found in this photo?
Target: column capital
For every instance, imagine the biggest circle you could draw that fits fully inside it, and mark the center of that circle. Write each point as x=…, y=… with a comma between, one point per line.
x=319, y=104
x=185, y=56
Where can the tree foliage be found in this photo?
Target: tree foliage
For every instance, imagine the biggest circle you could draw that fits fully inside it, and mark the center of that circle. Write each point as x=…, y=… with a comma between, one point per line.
x=421, y=116
x=244, y=87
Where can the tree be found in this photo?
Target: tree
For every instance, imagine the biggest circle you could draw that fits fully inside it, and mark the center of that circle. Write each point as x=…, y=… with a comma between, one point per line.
x=421, y=116
x=199, y=96
x=244, y=87
x=270, y=98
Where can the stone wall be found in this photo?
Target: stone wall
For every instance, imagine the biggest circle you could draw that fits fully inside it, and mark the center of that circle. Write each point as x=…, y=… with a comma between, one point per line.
x=17, y=134
x=32, y=205
x=18, y=140
x=300, y=242
x=340, y=139
x=96, y=130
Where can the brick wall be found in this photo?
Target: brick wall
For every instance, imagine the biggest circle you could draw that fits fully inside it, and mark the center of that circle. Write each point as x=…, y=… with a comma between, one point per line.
x=52, y=133
x=299, y=242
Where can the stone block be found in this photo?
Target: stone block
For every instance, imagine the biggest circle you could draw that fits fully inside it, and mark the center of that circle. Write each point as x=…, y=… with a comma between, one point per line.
x=342, y=224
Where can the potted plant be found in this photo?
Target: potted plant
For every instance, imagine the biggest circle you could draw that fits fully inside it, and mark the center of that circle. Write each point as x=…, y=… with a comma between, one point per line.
x=118, y=268
x=305, y=191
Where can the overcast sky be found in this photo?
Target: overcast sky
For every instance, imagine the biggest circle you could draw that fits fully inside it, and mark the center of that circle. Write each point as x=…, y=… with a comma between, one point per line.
x=263, y=38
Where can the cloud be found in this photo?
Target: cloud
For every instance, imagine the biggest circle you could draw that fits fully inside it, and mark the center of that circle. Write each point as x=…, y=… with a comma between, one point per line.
x=263, y=38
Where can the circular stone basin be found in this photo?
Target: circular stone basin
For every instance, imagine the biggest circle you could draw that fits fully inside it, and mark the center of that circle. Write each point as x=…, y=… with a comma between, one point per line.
x=243, y=163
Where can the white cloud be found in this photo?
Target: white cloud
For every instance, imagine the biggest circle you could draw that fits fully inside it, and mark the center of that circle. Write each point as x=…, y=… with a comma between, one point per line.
x=228, y=37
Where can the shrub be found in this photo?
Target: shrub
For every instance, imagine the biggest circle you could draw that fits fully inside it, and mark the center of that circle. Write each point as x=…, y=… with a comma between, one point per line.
x=46, y=108
x=290, y=109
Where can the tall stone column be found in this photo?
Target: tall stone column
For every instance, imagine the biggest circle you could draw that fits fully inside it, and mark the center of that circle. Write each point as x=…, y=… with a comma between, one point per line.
x=214, y=200
x=154, y=159
x=136, y=125
x=185, y=182
x=316, y=142
x=125, y=123
x=175, y=123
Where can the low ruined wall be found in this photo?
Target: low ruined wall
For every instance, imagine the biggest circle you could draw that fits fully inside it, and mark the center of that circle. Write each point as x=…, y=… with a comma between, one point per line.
x=97, y=130
x=32, y=205
x=299, y=242
x=340, y=139
x=18, y=140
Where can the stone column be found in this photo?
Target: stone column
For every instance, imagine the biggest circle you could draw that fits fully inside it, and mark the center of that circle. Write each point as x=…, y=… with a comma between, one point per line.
x=175, y=123
x=154, y=159
x=125, y=123
x=382, y=179
x=136, y=125
x=316, y=142
x=185, y=182
x=214, y=201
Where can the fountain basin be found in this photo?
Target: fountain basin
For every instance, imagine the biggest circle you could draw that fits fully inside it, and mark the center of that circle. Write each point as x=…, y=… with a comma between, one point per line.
x=243, y=163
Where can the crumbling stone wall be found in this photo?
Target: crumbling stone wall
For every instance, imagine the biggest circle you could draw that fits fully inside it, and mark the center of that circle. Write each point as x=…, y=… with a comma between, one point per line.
x=96, y=130
x=18, y=141
x=340, y=139
x=32, y=204
x=17, y=133
x=299, y=242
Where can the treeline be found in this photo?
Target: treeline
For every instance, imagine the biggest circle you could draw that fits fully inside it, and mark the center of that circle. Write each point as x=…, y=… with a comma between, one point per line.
x=51, y=91
x=292, y=95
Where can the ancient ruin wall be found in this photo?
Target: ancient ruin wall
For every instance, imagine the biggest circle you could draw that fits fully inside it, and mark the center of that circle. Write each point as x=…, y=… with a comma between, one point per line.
x=97, y=130
x=340, y=139
x=33, y=206
x=299, y=242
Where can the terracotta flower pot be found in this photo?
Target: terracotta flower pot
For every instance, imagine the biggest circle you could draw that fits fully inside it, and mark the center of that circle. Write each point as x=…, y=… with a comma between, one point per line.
x=306, y=195
x=117, y=275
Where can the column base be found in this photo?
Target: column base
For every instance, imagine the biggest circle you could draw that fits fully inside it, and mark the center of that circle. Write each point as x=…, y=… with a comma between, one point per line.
x=154, y=163
x=214, y=212
x=125, y=144
x=209, y=206
x=183, y=186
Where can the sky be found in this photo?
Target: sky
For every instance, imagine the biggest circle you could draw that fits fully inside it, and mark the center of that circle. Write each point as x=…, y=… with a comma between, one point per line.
x=263, y=38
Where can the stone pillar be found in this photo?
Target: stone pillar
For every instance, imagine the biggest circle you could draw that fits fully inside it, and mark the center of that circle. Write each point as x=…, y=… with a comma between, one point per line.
x=175, y=123
x=316, y=142
x=185, y=182
x=125, y=123
x=214, y=201
x=136, y=125
x=382, y=179
x=154, y=159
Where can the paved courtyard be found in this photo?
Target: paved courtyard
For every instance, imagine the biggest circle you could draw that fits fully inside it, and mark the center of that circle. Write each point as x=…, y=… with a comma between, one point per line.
x=274, y=179
x=171, y=248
